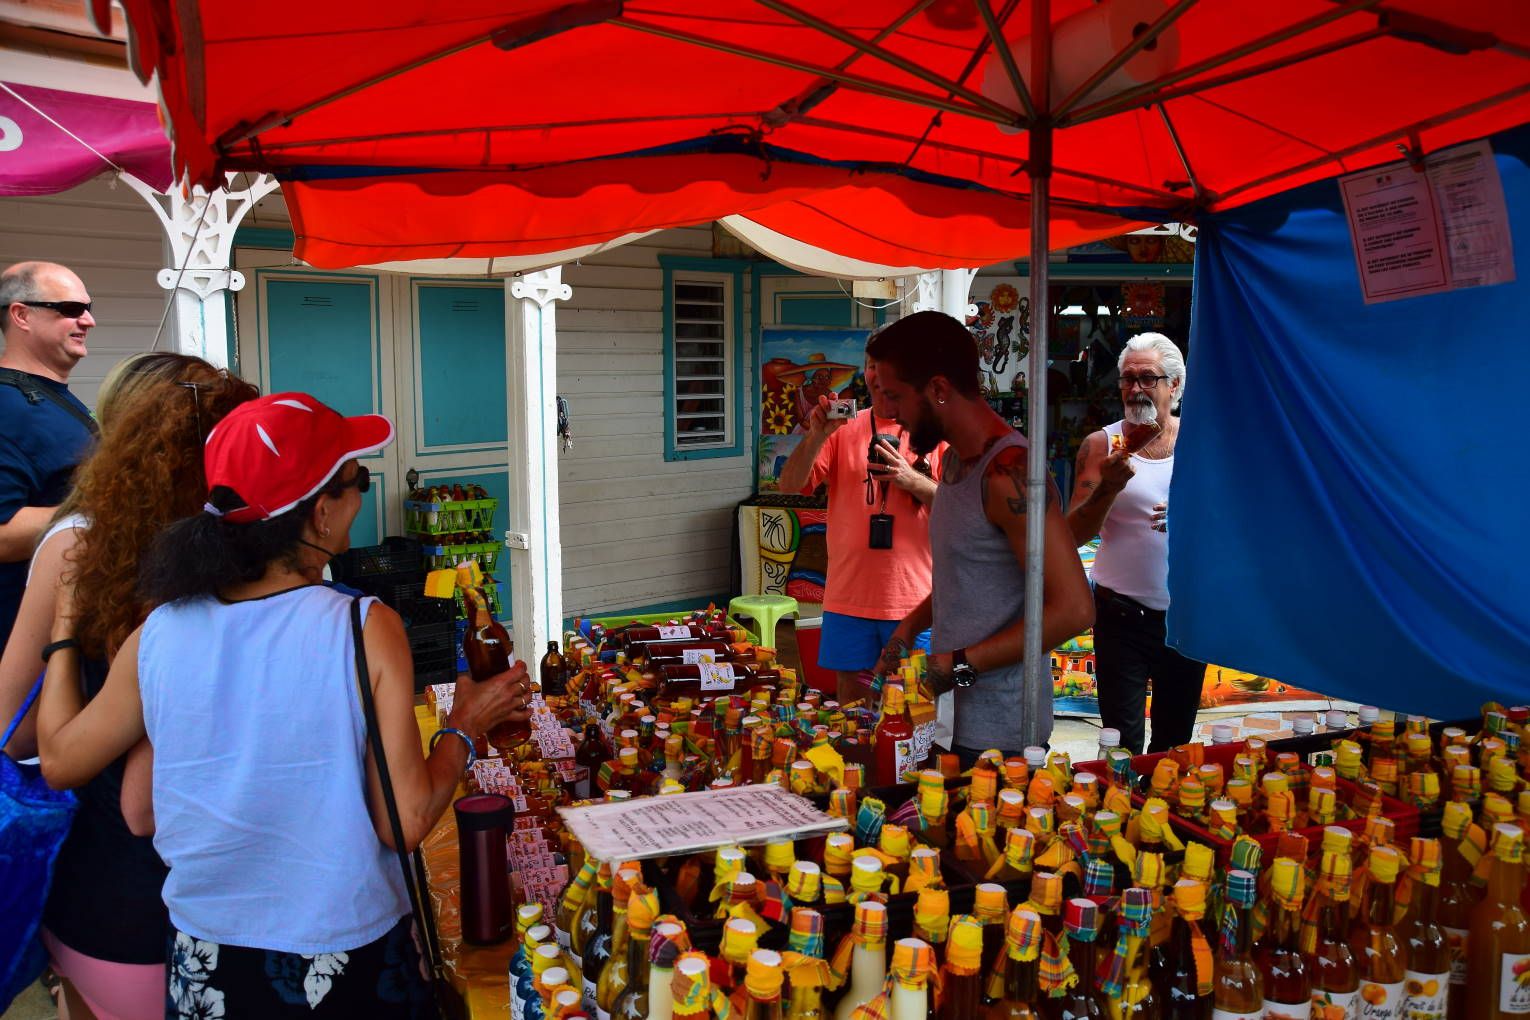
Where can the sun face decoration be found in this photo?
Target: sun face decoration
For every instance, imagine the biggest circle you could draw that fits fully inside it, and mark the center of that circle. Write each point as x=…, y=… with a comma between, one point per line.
x=1005, y=298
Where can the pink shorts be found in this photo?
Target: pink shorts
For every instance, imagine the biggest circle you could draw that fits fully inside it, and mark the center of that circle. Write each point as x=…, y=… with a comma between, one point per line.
x=113, y=991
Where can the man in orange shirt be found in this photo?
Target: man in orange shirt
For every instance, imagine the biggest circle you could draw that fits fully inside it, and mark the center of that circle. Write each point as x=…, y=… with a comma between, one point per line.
x=878, y=530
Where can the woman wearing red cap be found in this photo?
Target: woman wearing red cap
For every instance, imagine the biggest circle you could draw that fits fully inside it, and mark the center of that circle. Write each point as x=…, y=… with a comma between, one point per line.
x=104, y=923
x=283, y=892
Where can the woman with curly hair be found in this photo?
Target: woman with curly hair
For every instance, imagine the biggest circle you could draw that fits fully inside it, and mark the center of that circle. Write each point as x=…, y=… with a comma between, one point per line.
x=104, y=924
x=284, y=897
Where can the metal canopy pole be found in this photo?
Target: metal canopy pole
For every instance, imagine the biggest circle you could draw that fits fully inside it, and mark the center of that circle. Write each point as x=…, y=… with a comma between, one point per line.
x=1038, y=685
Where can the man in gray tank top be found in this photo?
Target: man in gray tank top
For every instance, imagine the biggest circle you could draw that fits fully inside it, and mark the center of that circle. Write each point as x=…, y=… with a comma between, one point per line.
x=927, y=364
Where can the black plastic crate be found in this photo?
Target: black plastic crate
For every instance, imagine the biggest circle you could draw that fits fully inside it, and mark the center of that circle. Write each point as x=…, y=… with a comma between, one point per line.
x=396, y=555
x=424, y=678
x=418, y=610
x=433, y=639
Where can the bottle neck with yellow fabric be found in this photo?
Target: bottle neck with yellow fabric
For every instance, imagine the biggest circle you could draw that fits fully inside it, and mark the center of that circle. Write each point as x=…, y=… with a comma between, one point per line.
x=990, y=906
x=611, y=980
x=906, y=994
x=806, y=970
x=1185, y=976
x=1020, y=988
x=569, y=906
x=932, y=915
x=740, y=938
x=962, y=975
x=1283, y=970
x=933, y=804
x=864, y=956
x=1055, y=971
x=692, y=992
x=632, y=976
x=763, y=982
x=1127, y=990
x=1335, y=979
x=1238, y=989
x=1499, y=943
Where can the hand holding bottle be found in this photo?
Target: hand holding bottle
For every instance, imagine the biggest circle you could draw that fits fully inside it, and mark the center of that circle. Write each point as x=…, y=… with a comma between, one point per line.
x=478, y=707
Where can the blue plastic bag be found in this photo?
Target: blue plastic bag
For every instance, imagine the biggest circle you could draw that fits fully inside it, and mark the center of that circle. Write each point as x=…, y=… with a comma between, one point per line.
x=34, y=820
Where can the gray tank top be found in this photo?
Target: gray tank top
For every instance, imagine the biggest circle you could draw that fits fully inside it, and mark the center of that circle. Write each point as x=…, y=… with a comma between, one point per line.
x=979, y=589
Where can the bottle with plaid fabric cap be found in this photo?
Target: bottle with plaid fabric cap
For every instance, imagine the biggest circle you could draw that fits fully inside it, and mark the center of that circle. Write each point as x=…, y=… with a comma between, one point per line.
x=1081, y=1001
x=1238, y=993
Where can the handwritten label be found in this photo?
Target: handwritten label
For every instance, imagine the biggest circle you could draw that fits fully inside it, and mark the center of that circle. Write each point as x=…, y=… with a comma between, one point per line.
x=1380, y=1002
x=716, y=676
x=692, y=822
x=674, y=633
x=1425, y=995
x=696, y=656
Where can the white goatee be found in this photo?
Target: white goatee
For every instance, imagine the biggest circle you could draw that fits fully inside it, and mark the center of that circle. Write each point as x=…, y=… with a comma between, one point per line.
x=1143, y=413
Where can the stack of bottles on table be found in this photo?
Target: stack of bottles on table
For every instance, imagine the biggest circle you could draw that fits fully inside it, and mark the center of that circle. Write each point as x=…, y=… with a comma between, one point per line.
x=1090, y=907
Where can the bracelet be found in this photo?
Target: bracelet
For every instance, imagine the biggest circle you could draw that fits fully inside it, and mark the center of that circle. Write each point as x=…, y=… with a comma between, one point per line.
x=58, y=646
x=472, y=751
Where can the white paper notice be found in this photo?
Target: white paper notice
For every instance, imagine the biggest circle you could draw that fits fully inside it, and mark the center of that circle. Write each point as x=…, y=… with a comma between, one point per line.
x=674, y=633
x=716, y=676
x=696, y=656
x=1469, y=197
x=1398, y=238
x=689, y=822
x=1425, y=229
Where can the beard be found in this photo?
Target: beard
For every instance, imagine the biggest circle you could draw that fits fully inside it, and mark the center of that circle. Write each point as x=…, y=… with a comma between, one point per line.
x=1141, y=410
x=927, y=433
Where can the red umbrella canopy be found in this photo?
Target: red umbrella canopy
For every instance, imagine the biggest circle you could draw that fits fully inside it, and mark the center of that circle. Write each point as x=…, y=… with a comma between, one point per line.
x=885, y=130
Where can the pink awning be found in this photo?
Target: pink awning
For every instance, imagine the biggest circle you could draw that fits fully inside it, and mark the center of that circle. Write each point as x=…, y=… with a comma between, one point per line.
x=47, y=137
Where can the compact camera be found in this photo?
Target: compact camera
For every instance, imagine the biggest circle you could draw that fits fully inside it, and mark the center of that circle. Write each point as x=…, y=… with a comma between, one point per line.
x=874, y=455
x=841, y=408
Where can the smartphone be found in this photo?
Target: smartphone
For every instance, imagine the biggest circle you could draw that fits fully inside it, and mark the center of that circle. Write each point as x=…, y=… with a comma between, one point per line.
x=841, y=408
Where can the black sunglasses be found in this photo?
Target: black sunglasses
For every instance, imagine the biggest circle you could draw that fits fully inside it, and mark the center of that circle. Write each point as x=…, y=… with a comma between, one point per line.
x=68, y=309
x=362, y=481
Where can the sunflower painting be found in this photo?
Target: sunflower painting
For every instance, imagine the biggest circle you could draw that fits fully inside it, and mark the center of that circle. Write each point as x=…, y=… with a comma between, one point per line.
x=797, y=366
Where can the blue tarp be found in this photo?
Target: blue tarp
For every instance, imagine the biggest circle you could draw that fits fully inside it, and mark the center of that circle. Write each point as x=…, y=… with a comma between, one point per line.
x=1350, y=510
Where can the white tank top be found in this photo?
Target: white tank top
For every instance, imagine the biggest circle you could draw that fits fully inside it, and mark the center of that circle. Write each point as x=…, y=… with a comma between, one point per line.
x=1133, y=559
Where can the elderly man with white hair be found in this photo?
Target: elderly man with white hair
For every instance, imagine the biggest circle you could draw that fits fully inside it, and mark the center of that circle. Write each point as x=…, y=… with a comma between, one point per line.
x=1122, y=495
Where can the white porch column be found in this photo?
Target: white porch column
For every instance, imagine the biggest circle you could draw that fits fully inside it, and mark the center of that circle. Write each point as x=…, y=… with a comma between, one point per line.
x=199, y=237
x=534, y=534
x=944, y=290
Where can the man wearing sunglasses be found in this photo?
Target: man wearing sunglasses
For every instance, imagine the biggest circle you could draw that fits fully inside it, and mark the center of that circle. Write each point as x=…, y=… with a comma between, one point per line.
x=1122, y=495
x=44, y=429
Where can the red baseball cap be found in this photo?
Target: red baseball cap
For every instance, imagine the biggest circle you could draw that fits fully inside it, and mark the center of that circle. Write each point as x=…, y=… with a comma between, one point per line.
x=279, y=450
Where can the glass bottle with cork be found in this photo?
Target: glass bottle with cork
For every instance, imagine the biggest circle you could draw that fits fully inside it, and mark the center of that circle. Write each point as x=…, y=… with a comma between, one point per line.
x=1498, y=951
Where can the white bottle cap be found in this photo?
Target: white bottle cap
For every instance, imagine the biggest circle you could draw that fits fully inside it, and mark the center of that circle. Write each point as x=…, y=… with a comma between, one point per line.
x=1110, y=737
x=1336, y=719
x=1036, y=757
x=1303, y=725
x=1223, y=733
x=558, y=974
x=1369, y=714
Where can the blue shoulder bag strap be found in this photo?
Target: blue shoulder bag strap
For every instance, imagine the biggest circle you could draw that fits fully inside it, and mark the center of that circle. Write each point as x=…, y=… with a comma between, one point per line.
x=26, y=706
x=35, y=393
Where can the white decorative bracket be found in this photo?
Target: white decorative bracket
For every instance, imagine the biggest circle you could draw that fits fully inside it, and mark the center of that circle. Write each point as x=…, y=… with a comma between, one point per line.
x=543, y=286
x=928, y=298
x=945, y=290
x=200, y=228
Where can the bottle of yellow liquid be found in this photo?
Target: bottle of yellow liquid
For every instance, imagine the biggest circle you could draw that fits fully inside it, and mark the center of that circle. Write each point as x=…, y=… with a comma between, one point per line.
x=1498, y=953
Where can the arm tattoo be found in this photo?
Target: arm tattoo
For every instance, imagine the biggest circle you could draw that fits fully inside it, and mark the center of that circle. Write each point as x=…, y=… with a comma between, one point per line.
x=1013, y=468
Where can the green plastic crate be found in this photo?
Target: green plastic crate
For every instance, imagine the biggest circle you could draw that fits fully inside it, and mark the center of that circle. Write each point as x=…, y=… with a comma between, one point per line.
x=491, y=591
x=442, y=518
x=437, y=557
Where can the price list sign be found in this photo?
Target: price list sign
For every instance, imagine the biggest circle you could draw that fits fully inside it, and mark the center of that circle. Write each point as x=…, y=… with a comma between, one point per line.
x=689, y=822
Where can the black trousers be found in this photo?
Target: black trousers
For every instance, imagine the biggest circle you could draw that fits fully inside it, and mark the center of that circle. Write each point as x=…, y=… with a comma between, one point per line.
x=1129, y=651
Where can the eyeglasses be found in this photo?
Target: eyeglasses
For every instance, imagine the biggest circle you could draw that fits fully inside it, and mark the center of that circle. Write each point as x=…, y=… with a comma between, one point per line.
x=362, y=481
x=1147, y=382
x=68, y=309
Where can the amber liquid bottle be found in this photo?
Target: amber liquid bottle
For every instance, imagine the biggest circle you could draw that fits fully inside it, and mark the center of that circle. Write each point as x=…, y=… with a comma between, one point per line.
x=1287, y=988
x=1083, y=1001
x=1237, y=988
x=1335, y=979
x=1176, y=984
x=552, y=672
x=962, y=995
x=1378, y=952
x=489, y=652
x=1022, y=988
x=1426, y=985
x=1458, y=896
x=1498, y=952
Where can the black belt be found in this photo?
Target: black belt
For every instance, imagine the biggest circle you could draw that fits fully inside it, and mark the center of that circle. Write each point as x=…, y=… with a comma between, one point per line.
x=1127, y=602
